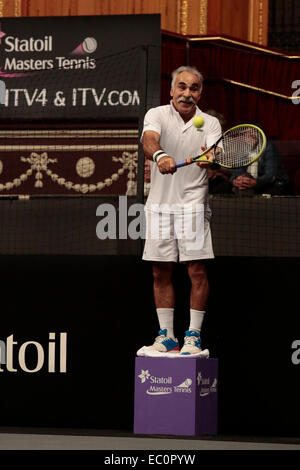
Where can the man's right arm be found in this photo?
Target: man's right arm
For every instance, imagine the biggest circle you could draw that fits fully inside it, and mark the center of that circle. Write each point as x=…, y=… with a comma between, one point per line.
x=153, y=151
x=150, y=143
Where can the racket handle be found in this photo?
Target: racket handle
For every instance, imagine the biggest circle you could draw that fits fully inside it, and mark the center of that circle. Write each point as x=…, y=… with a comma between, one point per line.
x=188, y=161
x=185, y=162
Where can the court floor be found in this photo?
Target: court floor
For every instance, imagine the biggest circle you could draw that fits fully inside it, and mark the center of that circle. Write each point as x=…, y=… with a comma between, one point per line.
x=74, y=439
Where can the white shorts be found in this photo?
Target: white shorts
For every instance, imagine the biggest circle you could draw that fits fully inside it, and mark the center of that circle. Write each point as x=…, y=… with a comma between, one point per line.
x=183, y=236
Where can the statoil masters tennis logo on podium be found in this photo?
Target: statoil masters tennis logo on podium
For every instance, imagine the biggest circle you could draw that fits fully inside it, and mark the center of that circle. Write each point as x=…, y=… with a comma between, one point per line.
x=163, y=385
x=33, y=356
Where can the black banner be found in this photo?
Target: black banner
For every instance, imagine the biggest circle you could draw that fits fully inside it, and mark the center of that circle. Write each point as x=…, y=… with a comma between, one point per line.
x=90, y=67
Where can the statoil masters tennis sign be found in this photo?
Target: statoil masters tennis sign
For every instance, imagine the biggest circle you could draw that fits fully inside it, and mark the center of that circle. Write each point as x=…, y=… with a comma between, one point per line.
x=78, y=67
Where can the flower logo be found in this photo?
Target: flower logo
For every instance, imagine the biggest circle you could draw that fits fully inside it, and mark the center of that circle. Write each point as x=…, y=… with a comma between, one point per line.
x=144, y=375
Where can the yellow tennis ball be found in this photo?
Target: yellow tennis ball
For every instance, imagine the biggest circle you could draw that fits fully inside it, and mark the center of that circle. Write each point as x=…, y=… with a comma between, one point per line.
x=198, y=122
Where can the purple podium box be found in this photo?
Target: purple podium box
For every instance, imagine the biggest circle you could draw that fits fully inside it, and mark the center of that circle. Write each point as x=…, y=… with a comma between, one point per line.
x=176, y=396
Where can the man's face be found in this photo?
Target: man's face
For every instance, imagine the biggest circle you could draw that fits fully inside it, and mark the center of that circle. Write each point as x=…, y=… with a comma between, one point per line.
x=186, y=94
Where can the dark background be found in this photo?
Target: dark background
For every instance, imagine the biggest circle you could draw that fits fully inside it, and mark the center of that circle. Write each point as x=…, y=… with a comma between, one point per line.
x=105, y=305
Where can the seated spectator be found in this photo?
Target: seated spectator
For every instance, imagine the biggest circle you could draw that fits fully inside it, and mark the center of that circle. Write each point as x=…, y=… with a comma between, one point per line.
x=265, y=176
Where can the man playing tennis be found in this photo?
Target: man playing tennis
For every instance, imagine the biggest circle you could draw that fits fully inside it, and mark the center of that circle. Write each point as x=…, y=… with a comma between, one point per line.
x=179, y=199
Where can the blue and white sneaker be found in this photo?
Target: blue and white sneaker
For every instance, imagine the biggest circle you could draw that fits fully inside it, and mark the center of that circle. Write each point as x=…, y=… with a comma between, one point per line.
x=192, y=344
x=165, y=344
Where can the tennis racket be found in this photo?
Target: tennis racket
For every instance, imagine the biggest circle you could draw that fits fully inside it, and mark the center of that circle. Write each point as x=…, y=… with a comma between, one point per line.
x=242, y=145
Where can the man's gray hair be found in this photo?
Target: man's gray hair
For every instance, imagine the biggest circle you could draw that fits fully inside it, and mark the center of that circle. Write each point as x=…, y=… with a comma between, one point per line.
x=186, y=68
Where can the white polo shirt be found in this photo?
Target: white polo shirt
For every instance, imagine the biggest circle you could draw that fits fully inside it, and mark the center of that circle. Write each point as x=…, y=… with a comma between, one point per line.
x=180, y=140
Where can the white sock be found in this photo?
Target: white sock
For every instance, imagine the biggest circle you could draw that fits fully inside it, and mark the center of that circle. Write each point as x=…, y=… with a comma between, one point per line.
x=196, y=319
x=166, y=320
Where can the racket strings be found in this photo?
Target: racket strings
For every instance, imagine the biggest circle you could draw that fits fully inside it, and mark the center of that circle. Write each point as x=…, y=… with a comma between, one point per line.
x=241, y=146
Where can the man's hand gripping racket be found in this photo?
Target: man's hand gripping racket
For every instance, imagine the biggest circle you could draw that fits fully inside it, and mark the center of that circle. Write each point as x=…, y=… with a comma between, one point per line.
x=242, y=145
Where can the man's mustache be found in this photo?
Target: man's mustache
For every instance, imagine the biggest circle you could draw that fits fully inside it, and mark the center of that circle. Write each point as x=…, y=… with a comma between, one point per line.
x=186, y=99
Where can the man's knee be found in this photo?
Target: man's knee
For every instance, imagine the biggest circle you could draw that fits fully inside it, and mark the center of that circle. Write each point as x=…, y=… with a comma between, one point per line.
x=162, y=272
x=197, y=272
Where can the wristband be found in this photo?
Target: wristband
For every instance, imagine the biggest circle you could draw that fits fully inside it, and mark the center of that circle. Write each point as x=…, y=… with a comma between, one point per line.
x=158, y=155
